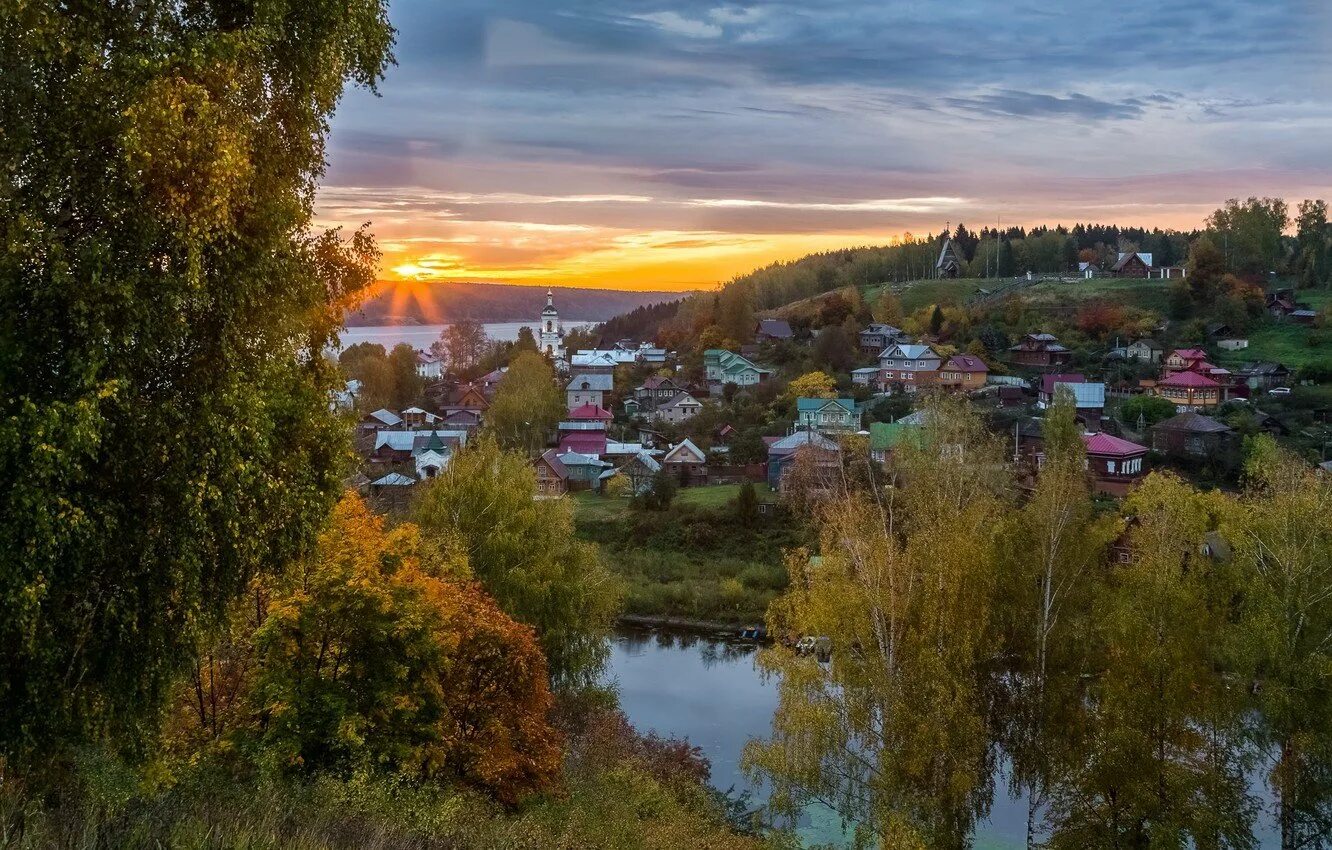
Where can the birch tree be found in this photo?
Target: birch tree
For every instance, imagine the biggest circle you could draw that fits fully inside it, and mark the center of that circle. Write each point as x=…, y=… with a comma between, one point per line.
x=1282, y=538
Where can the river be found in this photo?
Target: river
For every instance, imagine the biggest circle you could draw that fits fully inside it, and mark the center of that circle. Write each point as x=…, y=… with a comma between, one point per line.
x=708, y=689
x=421, y=336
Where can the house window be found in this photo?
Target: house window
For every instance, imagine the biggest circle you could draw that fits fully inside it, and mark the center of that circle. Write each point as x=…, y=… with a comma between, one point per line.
x=1110, y=467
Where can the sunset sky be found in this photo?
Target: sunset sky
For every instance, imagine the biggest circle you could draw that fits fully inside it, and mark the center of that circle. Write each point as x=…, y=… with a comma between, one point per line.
x=673, y=144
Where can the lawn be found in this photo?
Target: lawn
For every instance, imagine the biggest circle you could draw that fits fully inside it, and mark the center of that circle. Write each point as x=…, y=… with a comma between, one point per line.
x=1146, y=294
x=590, y=506
x=697, y=560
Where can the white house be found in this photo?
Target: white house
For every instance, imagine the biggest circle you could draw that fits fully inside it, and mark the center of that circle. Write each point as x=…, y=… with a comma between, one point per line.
x=681, y=408
x=428, y=366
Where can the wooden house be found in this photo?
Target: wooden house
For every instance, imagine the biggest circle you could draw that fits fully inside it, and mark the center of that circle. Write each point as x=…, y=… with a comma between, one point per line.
x=1039, y=350
x=1132, y=264
x=680, y=409
x=951, y=263
x=772, y=330
x=686, y=463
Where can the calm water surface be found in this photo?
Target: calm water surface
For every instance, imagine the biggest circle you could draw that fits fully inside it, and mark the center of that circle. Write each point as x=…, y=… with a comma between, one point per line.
x=421, y=336
x=707, y=689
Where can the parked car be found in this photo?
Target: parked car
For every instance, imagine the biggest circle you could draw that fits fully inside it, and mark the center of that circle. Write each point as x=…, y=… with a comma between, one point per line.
x=1279, y=391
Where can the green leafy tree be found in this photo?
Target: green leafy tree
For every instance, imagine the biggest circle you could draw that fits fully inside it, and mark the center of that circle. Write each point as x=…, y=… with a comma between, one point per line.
x=1206, y=267
x=524, y=551
x=1312, y=236
x=527, y=406
x=1282, y=540
x=1053, y=548
x=892, y=733
x=1158, y=757
x=164, y=425
x=1250, y=233
x=526, y=341
x=407, y=383
x=1149, y=409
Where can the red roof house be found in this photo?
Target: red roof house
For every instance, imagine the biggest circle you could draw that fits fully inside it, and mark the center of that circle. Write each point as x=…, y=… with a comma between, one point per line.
x=1115, y=464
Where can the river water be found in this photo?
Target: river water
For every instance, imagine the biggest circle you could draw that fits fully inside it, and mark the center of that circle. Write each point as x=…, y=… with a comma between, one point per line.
x=421, y=336
x=708, y=689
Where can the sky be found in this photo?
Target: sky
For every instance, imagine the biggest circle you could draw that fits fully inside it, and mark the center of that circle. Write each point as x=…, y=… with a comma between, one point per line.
x=671, y=144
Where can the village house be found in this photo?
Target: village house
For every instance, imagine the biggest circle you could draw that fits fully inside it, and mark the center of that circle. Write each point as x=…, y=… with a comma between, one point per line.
x=827, y=414
x=584, y=431
x=865, y=376
x=965, y=372
x=585, y=472
x=723, y=367
x=1282, y=305
x=380, y=420
x=426, y=453
x=552, y=477
x=1260, y=376
x=656, y=390
x=429, y=366
x=1132, y=264
x=639, y=469
x=1039, y=350
x=1115, y=464
x=1088, y=271
x=1088, y=398
x=1145, y=351
x=885, y=437
x=772, y=330
x=911, y=366
x=599, y=362
x=1193, y=436
x=783, y=453
x=588, y=389
x=686, y=463
x=682, y=408
x=876, y=337
x=1189, y=391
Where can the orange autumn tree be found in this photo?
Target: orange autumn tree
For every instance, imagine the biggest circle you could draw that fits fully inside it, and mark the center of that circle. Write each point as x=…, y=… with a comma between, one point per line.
x=380, y=653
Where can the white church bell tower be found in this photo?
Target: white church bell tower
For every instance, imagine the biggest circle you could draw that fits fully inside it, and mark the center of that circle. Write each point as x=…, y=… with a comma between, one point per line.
x=552, y=332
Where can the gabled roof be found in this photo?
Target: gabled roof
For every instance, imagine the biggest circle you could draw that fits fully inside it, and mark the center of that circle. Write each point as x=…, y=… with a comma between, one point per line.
x=656, y=382
x=1194, y=423
x=1125, y=257
x=648, y=461
x=393, y=479
x=385, y=416
x=788, y=444
x=602, y=383
x=810, y=405
x=881, y=329
x=579, y=459
x=1148, y=342
x=1187, y=379
x=1189, y=354
x=779, y=328
x=908, y=351
x=1086, y=395
x=1105, y=444
x=887, y=435
x=685, y=445
x=681, y=398
x=966, y=363
x=550, y=457
x=1262, y=367
x=949, y=250
x=1048, y=382
x=592, y=412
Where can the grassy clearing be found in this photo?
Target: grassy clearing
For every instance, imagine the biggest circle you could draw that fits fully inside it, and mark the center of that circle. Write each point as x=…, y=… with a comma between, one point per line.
x=1132, y=292
x=698, y=560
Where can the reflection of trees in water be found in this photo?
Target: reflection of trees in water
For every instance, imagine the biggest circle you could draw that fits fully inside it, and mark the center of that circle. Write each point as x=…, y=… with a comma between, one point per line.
x=712, y=649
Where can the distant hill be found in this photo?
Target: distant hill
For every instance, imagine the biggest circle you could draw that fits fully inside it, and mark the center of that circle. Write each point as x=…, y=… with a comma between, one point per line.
x=491, y=302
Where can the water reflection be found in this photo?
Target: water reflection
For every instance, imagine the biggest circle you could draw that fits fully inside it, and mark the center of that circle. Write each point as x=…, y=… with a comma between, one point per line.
x=707, y=688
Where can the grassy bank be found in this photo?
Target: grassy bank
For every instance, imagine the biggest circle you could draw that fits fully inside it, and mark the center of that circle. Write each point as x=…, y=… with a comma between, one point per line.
x=700, y=559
